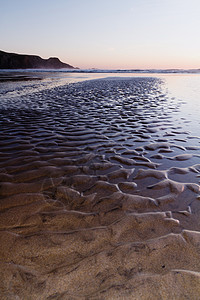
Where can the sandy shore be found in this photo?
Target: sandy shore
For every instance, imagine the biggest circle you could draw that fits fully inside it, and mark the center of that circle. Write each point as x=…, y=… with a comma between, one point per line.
x=99, y=194
x=18, y=76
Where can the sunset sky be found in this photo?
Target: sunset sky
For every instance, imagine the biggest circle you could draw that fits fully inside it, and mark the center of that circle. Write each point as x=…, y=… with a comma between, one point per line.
x=104, y=33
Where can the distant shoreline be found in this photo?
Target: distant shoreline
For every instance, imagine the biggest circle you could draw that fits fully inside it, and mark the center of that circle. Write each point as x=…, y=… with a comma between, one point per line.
x=25, y=61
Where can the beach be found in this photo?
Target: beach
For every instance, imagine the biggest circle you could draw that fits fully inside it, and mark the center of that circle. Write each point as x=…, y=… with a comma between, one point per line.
x=99, y=192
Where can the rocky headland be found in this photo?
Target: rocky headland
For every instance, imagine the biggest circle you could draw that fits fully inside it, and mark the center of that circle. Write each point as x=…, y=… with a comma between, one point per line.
x=24, y=61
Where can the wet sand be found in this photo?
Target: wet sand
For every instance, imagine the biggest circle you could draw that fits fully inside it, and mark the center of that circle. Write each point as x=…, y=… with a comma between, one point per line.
x=99, y=194
x=6, y=77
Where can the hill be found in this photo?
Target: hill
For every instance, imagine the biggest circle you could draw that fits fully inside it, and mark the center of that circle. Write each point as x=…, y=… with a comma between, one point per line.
x=24, y=61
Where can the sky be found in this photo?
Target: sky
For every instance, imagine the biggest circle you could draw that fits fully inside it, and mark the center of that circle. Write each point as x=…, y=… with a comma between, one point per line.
x=105, y=34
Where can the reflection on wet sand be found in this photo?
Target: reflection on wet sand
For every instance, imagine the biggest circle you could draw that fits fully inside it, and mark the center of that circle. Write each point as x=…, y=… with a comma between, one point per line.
x=99, y=196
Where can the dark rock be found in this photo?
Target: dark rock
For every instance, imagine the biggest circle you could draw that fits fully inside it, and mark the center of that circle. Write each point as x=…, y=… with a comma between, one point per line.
x=23, y=61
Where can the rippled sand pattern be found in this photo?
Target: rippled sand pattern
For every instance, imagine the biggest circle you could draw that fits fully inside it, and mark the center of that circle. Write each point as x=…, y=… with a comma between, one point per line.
x=99, y=194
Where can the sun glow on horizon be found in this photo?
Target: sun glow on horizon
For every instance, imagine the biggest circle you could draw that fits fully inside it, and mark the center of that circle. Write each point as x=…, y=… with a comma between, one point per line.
x=133, y=34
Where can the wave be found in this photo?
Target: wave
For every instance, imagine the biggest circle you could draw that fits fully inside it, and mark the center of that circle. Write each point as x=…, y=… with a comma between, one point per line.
x=151, y=71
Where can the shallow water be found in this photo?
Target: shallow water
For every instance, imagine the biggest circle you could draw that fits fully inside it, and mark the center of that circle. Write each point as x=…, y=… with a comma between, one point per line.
x=100, y=187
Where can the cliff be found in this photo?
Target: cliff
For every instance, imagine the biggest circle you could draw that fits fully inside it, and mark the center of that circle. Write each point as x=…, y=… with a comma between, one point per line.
x=23, y=61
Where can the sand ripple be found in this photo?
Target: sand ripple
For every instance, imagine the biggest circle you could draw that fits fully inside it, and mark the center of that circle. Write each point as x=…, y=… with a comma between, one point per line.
x=99, y=199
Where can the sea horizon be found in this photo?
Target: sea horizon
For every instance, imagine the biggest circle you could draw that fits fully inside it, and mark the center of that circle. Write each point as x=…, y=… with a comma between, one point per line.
x=98, y=70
